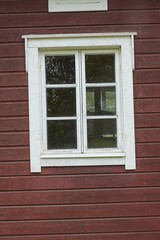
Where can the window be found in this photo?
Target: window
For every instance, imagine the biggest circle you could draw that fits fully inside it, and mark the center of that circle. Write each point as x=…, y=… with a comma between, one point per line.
x=81, y=100
x=76, y=5
x=80, y=91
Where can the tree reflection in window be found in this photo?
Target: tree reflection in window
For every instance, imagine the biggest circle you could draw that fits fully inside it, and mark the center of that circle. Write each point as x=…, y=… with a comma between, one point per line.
x=60, y=69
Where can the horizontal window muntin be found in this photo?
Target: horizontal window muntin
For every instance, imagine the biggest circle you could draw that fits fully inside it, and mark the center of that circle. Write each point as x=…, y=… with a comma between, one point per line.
x=85, y=140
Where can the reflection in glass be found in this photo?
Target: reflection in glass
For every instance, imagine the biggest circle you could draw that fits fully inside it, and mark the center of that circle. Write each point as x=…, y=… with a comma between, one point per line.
x=61, y=102
x=100, y=68
x=60, y=69
x=101, y=101
x=61, y=134
x=102, y=133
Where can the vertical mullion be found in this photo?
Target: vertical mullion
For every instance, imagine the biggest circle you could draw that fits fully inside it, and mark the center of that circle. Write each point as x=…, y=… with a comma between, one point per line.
x=78, y=100
x=118, y=100
x=84, y=111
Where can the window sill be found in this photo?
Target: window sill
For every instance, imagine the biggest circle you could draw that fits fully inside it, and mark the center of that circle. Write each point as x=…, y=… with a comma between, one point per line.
x=117, y=158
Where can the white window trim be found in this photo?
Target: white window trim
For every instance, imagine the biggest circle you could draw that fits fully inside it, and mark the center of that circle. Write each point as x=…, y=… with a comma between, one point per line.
x=77, y=5
x=34, y=44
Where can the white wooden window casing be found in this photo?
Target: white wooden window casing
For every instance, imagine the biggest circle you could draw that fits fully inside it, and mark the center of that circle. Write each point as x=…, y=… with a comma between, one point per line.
x=77, y=5
x=120, y=44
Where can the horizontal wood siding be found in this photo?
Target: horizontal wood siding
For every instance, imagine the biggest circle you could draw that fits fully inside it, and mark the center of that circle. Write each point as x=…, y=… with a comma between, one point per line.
x=79, y=203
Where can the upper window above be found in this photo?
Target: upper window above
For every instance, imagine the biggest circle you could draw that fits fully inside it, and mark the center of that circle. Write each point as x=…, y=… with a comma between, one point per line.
x=81, y=99
x=76, y=5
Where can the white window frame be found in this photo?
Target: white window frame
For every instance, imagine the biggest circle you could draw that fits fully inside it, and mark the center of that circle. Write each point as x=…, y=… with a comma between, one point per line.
x=77, y=5
x=122, y=44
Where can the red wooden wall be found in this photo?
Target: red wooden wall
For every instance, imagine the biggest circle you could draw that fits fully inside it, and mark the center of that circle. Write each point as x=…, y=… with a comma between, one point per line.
x=80, y=203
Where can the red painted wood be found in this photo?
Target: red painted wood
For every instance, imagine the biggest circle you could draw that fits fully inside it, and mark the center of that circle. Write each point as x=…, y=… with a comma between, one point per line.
x=100, y=198
x=147, y=61
x=12, y=50
x=22, y=168
x=148, y=150
x=80, y=211
x=79, y=19
x=14, y=153
x=13, y=79
x=12, y=65
x=80, y=226
x=147, y=91
x=14, y=124
x=136, y=4
x=143, y=31
x=80, y=182
x=147, y=120
x=147, y=46
x=18, y=6
x=148, y=135
x=97, y=236
x=14, y=139
x=13, y=94
x=146, y=76
x=90, y=196
x=147, y=105
x=14, y=109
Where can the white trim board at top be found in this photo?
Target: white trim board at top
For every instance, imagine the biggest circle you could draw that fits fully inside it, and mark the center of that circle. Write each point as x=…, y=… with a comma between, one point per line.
x=80, y=40
x=77, y=5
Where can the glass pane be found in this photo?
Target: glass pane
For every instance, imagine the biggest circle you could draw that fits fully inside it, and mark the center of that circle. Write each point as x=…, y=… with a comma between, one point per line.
x=61, y=102
x=62, y=134
x=101, y=101
x=100, y=68
x=102, y=133
x=60, y=69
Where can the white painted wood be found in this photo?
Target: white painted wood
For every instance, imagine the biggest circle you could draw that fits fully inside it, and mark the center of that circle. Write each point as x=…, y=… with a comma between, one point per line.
x=34, y=110
x=128, y=105
x=112, y=158
x=77, y=5
x=78, y=35
x=84, y=162
x=122, y=44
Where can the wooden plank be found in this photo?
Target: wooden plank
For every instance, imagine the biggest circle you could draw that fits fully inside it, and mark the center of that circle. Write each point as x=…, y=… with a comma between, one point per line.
x=148, y=135
x=117, y=195
x=147, y=91
x=97, y=236
x=19, y=6
x=147, y=105
x=147, y=61
x=14, y=124
x=14, y=35
x=13, y=94
x=14, y=153
x=149, y=120
x=144, y=46
x=14, y=139
x=13, y=79
x=147, y=76
x=148, y=164
x=148, y=150
x=80, y=181
x=79, y=211
x=12, y=50
x=12, y=65
x=80, y=226
x=80, y=19
x=14, y=109
x=22, y=168
x=136, y=4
